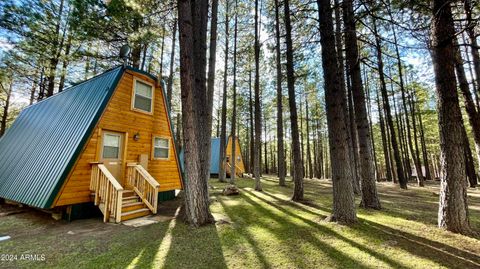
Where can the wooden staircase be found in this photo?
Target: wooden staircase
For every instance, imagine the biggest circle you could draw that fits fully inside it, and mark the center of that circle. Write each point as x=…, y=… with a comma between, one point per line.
x=238, y=170
x=132, y=206
x=117, y=204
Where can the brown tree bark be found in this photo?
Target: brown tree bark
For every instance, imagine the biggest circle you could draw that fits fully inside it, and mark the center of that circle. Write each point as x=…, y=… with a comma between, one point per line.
x=385, y=143
x=192, y=17
x=265, y=152
x=453, y=208
x=280, y=142
x=65, y=64
x=6, y=107
x=353, y=137
x=172, y=62
x=343, y=196
x=234, y=112
x=162, y=47
x=33, y=90
x=297, y=158
x=252, y=127
x=349, y=111
x=415, y=139
x=401, y=139
x=426, y=164
x=223, y=129
x=413, y=151
x=396, y=151
x=56, y=51
x=369, y=118
x=366, y=161
x=471, y=23
x=473, y=116
x=309, y=154
x=178, y=135
x=258, y=112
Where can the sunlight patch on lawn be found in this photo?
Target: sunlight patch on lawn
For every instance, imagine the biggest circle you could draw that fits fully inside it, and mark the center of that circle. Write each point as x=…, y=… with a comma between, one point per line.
x=164, y=247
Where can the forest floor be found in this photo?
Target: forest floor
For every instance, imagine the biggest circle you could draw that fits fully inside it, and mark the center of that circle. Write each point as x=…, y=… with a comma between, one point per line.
x=254, y=230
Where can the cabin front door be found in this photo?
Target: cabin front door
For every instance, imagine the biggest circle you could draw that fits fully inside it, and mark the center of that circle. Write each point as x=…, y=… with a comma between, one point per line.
x=113, y=144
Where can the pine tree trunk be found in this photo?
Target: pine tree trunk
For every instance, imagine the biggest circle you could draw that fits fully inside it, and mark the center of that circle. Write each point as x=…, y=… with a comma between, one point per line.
x=178, y=135
x=414, y=152
x=66, y=62
x=233, y=156
x=473, y=116
x=172, y=61
x=223, y=129
x=396, y=151
x=352, y=142
x=297, y=158
x=401, y=139
x=453, y=209
x=343, y=196
x=474, y=81
x=428, y=175
x=6, y=109
x=352, y=127
x=280, y=142
x=33, y=90
x=309, y=154
x=265, y=153
x=385, y=143
x=421, y=178
x=369, y=114
x=252, y=127
x=471, y=23
x=193, y=29
x=366, y=161
x=55, y=52
x=258, y=115
x=162, y=48
x=469, y=164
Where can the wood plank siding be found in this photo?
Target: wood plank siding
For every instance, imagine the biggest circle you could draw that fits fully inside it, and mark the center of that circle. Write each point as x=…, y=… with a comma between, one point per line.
x=238, y=152
x=119, y=117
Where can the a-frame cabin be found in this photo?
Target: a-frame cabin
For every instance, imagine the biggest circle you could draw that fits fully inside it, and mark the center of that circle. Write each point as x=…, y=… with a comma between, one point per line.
x=239, y=165
x=106, y=141
x=215, y=157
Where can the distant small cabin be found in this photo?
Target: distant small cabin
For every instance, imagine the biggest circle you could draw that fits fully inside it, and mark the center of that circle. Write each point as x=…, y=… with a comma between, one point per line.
x=105, y=142
x=215, y=157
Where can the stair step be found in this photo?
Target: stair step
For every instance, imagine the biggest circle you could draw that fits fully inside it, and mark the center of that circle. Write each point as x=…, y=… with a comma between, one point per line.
x=136, y=214
x=127, y=207
x=130, y=199
x=129, y=193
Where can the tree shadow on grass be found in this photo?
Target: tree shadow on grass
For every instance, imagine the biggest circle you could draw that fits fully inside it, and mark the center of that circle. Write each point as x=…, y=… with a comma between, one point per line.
x=245, y=234
x=446, y=255
x=333, y=253
x=419, y=246
x=287, y=232
x=133, y=247
x=194, y=248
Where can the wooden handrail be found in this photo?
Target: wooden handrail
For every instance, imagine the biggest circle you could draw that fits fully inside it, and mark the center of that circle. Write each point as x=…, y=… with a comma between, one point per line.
x=107, y=192
x=144, y=185
x=229, y=169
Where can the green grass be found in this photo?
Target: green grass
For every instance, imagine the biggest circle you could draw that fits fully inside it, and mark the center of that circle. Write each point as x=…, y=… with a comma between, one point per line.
x=258, y=230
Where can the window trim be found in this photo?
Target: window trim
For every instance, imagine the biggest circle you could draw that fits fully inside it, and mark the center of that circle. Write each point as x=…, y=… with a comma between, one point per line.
x=120, y=153
x=153, y=147
x=135, y=79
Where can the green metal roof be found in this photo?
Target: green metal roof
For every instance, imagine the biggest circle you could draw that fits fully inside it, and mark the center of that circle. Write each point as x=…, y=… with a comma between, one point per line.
x=39, y=150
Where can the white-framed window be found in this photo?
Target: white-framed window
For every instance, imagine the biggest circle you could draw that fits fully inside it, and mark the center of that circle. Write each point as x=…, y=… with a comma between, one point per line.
x=143, y=93
x=161, y=148
x=111, y=146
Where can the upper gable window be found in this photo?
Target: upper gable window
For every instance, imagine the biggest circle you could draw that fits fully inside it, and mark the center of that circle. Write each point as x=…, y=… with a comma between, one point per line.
x=143, y=96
